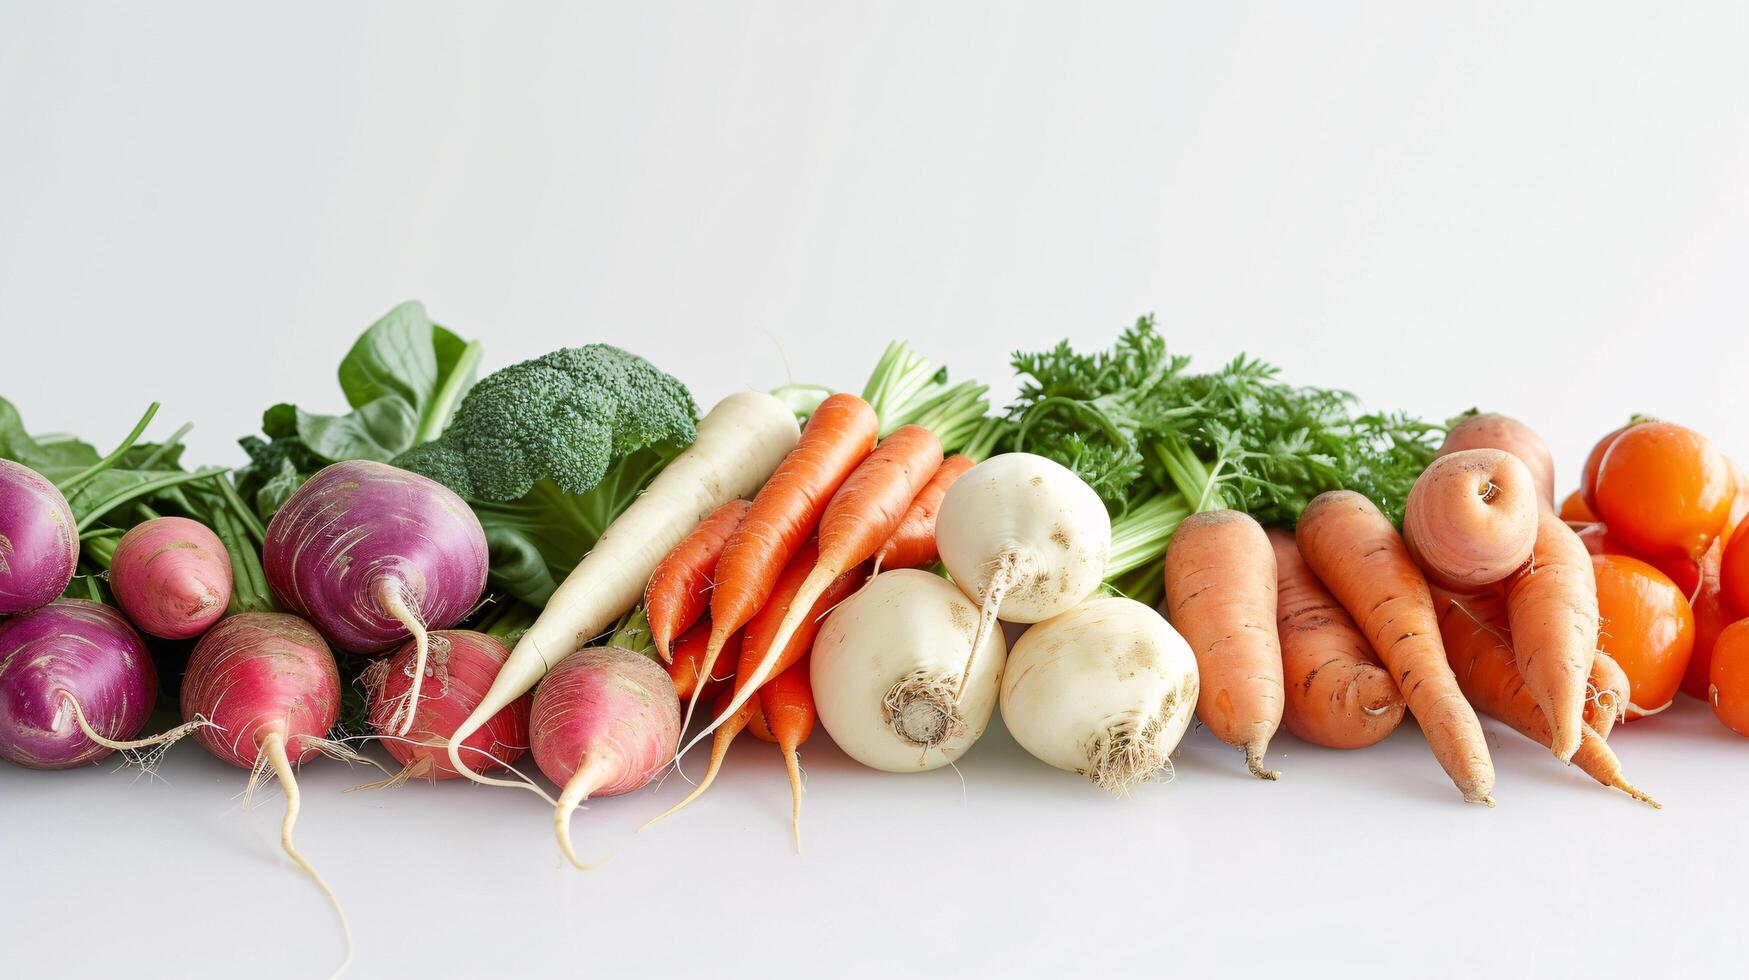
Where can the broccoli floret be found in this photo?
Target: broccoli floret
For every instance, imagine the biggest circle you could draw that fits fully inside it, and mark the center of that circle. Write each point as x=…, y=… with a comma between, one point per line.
x=565, y=417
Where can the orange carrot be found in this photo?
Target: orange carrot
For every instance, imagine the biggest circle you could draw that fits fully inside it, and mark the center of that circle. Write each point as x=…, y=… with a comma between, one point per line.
x=1552, y=607
x=1480, y=650
x=1607, y=694
x=863, y=513
x=1338, y=695
x=684, y=669
x=1358, y=555
x=787, y=707
x=838, y=436
x=1220, y=594
x=762, y=629
x=1470, y=519
x=725, y=734
x=1489, y=431
x=913, y=544
x=679, y=589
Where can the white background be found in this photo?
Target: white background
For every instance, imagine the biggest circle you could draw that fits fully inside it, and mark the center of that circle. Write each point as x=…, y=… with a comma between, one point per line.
x=1540, y=209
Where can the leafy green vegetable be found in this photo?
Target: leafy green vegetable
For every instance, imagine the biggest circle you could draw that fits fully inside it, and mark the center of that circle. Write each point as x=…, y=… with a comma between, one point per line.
x=402, y=379
x=563, y=417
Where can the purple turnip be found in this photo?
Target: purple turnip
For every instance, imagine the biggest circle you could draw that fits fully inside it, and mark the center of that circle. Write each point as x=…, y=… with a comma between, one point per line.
x=75, y=681
x=372, y=554
x=39, y=544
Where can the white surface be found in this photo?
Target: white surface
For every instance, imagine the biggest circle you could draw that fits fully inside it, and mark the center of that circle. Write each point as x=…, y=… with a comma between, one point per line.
x=1536, y=209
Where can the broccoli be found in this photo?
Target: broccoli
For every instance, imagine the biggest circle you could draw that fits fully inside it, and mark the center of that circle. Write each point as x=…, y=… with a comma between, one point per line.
x=565, y=417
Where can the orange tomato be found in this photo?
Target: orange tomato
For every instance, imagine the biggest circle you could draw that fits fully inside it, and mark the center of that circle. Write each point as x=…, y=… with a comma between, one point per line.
x=1710, y=619
x=1665, y=490
x=1594, y=462
x=1685, y=573
x=1729, y=689
x=1647, y=626
x=1574, y=510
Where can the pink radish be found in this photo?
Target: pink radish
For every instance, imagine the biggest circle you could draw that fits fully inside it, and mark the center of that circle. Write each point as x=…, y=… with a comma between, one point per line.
x=39, y=544
x=462, y=664
x=605, y=722
x=74, y=678
x=372, y=554
x=270, y=690
x=172, y=577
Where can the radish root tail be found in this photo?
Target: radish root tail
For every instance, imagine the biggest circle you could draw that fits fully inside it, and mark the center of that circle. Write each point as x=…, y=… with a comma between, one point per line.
x=158, y=744
x=393, y=597
x=273, y=748
x=577, y=789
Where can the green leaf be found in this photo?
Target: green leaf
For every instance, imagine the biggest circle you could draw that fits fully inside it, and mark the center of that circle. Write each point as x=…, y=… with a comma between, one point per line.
x=43, y=452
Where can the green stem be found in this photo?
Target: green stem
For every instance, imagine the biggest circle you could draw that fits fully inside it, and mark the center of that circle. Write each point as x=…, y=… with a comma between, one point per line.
x=141, y=490
x=164, y=447
x=443, y=401
x=71, y=485
x=244, y=515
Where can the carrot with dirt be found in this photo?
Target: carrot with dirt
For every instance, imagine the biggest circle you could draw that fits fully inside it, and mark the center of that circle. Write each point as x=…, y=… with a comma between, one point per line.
x=1471, y=518
x=786, y=705
x=1353, y=549
x=721, y=739
x=1551, y=605
x=679, y=589
x=864, y=512
x=1480, y=650
x=838, y=437
x=912, y=545
x=685, y=669
x=1338, y=695
x=1220, y=595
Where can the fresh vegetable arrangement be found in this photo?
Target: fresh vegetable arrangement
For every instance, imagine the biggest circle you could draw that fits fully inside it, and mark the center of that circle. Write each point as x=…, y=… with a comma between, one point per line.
x=565, y=558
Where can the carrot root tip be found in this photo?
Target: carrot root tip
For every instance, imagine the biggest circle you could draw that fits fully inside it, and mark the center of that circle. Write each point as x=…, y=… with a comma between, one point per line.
x=1631, y=790
x=1254, y=762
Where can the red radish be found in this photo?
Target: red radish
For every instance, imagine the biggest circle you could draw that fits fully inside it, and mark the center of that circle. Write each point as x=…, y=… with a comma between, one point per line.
x=271, y=691
x=605, y=722
x=172, y=576
x=462, y=664
x=372, y=554
x=74, y=678
x=39, y=544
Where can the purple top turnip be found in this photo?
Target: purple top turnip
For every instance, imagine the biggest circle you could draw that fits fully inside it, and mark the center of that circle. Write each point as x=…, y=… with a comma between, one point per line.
x=39, y=543
x=172, y=576
x=372, y=554
x=69, y=659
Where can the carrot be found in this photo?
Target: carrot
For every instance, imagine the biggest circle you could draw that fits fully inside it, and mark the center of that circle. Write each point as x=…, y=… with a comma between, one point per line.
x=689, y=650
x=787, y=707
x=725, y=734
x=863, y=513
x=762, y=629
x=1220, y=594
x=913, y=543
x=1489, y=431
x=679, y=589
x=1551, y=605
x=1480, y=650
x=1338, y=695
x=1471, y=518
x=838, y=436
x=1355, y=552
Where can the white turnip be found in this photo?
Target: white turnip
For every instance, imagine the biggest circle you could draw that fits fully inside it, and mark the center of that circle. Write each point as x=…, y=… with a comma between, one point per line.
x=1105, y=690
x=889, y=673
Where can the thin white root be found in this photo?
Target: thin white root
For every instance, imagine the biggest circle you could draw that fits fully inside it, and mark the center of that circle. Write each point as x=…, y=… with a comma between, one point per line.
x=577, y=789
x=1127, y=754
x=719, y=751
x=1001, y=580
x=393, y=597
x=273, y=749
x=419, y=768
x=142, y=752
x=704, y=670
